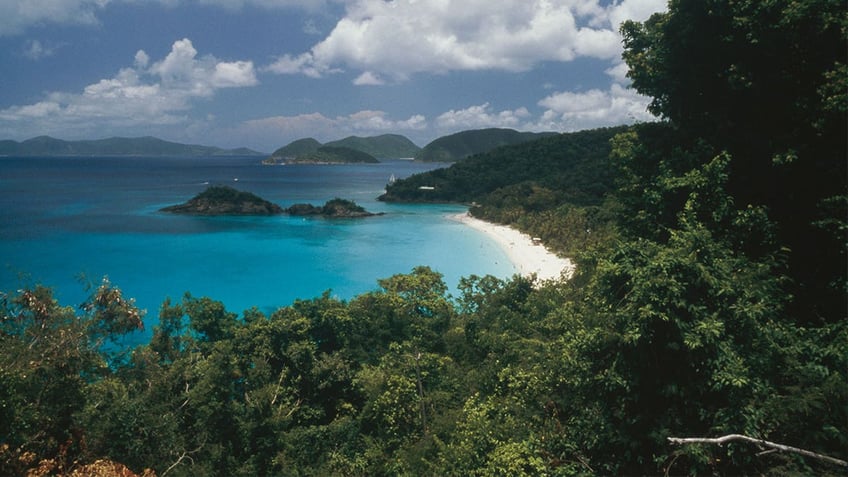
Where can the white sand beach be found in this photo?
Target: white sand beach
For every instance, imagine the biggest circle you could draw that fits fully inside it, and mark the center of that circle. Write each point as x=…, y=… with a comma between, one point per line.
x=527, y=256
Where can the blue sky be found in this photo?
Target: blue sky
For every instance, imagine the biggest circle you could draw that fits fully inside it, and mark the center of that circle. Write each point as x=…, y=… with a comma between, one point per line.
x=261, y=73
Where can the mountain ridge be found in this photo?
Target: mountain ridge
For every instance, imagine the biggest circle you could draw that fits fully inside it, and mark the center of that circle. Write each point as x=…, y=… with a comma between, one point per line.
x=382, y=146
x=458, y=146
x=113, y=146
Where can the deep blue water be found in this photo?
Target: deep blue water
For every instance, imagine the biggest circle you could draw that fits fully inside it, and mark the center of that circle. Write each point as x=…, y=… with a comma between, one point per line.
x=66, y=218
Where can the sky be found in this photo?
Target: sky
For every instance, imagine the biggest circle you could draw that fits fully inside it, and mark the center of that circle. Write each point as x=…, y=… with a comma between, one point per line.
x=262, y=73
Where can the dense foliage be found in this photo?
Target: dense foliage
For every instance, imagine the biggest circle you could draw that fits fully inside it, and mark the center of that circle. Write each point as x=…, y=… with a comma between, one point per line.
x=296, y=148
x=554, y=188
x=310, y=150
x=701, y=313
x=333, y=208
x=382, y=146
x=333, y=155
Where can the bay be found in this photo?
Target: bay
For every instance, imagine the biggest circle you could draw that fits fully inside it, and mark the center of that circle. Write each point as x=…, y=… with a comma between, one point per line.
x=68, y=222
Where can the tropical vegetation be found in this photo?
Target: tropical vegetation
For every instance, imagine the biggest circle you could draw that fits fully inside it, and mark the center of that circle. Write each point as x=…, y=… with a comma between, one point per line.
x=458, y=146
x=713, y=305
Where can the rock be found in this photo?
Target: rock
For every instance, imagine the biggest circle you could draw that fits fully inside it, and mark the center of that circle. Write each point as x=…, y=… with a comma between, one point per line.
x=224, y=200
x=336, y=208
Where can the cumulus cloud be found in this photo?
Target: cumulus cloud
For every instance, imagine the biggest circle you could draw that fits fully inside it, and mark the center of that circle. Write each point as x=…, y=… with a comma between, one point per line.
x=405, y=37
x=140, y=95
x=562, y=111
x=571, y=111
x=288, y=64
x=481, y=116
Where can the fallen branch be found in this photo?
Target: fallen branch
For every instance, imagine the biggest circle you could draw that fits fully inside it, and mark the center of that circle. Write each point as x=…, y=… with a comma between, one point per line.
x=739, y=437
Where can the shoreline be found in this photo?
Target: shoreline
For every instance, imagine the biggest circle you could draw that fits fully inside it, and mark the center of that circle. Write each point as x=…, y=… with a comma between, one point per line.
x=526, y=256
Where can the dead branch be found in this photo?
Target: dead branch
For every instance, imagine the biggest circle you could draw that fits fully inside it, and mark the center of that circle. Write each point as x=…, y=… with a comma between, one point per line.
x=739, y=437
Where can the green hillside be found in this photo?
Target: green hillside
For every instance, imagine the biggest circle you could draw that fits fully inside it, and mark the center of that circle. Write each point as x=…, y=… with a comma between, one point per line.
x=467, y=143
x=333, y=155
x=552, y=188
x=385, y=146
x=308, y=150
x=296, y=148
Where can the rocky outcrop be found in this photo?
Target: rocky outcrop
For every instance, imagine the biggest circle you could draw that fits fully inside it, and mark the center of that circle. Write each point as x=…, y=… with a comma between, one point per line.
x=336, y=208
x=223, y=200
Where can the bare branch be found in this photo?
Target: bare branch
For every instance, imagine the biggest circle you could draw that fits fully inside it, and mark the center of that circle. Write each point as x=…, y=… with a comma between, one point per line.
x=739, y=437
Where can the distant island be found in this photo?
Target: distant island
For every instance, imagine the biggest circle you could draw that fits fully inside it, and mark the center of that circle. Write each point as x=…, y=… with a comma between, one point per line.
x=224, y=200
x=450, y=148
x=335, y=208
x=115, y=146
x=385, y=146
x=304, y=150
x=464, y=144
x=326, y=155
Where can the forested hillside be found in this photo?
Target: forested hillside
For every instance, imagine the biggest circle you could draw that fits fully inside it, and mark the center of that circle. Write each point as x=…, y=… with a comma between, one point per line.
x=714, y=305
x=371, y=148
x=554, y=188
x=382, y=147
x=457, y=146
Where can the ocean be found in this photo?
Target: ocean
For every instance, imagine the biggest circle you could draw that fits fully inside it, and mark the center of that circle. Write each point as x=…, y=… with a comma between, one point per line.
x=69, y=221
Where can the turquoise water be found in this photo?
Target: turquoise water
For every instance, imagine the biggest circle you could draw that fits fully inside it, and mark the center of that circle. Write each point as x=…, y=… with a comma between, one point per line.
x=67, y=218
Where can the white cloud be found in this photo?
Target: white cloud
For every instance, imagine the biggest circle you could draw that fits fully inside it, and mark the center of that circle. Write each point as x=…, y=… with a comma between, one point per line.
x=481, y=116
x=17, y=15
x=141, y=59
x=368, y=79
x=618, y=73
x=288, y=64
x=636, y=10
x=572, y=111
x=135, y=96
x=563, y=111
x=404, y=37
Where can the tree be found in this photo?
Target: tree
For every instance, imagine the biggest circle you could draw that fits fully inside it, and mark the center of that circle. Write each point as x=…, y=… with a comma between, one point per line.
x=765, y=81
x=48, y=355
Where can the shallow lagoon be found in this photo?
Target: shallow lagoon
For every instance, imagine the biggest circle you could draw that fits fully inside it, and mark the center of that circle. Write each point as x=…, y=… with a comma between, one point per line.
x=64, y=218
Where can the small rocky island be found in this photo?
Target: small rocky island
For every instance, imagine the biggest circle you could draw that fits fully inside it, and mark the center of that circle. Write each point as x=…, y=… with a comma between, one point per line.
x=335, y=208
x=224, y=200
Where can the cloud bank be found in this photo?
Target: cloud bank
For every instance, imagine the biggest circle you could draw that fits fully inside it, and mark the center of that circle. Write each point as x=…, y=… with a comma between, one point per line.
x=377, y=42
x=391, y=41
x=401, y=38
x=16, y=16
x=143, y=95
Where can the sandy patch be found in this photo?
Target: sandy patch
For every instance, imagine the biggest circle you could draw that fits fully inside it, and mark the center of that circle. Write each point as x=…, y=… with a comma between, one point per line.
x=527, y=256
